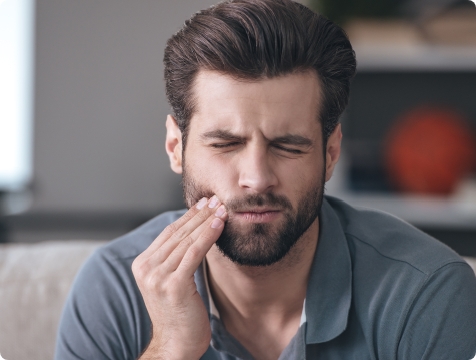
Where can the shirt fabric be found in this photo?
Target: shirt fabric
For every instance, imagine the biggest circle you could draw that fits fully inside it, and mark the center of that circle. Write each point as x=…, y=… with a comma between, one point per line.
x=378, y=289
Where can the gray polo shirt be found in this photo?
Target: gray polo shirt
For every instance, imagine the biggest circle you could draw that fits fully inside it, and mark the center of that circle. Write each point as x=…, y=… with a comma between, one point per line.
x=378, y=289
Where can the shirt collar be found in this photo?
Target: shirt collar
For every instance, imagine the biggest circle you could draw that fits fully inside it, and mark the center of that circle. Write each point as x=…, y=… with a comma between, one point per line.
x=329, y=292
x=211, y=304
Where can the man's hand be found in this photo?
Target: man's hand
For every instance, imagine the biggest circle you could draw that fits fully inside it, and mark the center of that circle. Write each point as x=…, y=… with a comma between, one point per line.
x=164, y=273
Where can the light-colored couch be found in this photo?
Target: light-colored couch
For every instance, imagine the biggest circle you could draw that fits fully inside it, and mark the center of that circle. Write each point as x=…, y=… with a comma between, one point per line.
x=34, y=282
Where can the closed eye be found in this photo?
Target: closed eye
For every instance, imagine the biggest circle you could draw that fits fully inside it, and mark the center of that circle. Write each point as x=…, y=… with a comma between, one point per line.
x=224, y=145
x=289, y=150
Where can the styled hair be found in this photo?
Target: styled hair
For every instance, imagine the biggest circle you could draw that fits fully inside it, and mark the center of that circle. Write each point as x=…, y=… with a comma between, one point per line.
x=259, y=39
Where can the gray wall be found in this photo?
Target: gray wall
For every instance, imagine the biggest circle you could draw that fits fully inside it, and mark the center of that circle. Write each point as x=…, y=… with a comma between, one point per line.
x=100, y=105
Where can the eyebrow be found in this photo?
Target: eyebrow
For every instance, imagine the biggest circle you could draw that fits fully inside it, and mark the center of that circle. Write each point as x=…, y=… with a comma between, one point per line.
x=288, y=139
x=291, y=139
x=221, y=135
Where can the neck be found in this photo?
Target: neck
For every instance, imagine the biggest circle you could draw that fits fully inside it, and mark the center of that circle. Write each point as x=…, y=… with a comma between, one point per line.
x=251, y=294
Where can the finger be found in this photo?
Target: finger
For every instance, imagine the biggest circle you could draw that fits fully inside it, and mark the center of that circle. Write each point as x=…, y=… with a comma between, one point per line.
x=172, y=228
x=197, y=251
x=176, y=255
x=193, y=224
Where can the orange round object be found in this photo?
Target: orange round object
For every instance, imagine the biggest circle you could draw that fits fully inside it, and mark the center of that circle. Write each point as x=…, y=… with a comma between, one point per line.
x=429, y=150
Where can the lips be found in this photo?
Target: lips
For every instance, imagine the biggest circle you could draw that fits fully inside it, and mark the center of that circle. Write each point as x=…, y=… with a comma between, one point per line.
x=257, y=210
x=258, y=215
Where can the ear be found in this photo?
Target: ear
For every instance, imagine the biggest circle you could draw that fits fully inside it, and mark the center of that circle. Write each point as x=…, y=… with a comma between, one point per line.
x=173, y=144
x=333, y=151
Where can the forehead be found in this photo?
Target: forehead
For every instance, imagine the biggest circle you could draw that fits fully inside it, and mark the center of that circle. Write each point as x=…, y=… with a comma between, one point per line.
x=284, y=104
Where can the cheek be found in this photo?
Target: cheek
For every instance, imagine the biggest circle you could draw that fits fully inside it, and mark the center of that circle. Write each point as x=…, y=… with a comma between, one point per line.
x=213, y=172
x=294, y=176
x=299, y=177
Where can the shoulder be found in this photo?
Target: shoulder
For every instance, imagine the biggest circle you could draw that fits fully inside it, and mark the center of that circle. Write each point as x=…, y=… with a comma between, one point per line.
x=402, y=276
x=135, y=242
x=383, y=235
x=108, y=269
x=113, y=260
x=111, y=263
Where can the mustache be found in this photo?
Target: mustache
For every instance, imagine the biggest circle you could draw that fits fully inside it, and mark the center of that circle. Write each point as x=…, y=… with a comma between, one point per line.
x=193, y=193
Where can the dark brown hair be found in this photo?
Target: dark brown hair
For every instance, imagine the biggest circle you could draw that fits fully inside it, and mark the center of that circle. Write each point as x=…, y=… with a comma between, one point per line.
x=256, y=39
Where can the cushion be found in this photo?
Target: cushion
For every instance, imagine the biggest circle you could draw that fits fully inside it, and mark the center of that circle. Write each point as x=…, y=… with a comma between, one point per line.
x=34, y=282
x=472, y=262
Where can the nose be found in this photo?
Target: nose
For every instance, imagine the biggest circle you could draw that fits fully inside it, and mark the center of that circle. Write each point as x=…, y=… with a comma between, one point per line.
x=257, y=173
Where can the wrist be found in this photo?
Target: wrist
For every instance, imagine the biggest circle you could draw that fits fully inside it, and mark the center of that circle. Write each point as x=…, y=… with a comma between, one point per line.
x=157, y=352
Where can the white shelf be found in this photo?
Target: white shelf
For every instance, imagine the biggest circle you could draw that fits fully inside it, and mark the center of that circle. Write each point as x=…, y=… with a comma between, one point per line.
x=434, y=212
x=414, y=58
x=444, y=212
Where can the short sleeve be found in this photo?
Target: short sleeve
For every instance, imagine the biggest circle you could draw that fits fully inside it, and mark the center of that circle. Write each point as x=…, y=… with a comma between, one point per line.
x=441, y=324
x=104, y=316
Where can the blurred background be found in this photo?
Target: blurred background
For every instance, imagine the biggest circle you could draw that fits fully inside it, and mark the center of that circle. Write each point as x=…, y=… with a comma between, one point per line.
x=410, y=127
x=82, y=114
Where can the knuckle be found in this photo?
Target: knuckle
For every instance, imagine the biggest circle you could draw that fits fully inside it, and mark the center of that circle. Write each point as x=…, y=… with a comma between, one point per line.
x=155, y=281
x=186, y=242
x=189, y=241
x=171, y=229
x=135, y=264
x=180, y=233
x=137, y=267
x=194, y=253
x=151, y=284
x=206, y=236
x=172, y=288
x=143, y=271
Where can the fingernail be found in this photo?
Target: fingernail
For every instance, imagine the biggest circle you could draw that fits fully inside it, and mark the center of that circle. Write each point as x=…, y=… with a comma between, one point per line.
x=201, y=203
x=216, y=223
x=221, y=211
x=213, y=202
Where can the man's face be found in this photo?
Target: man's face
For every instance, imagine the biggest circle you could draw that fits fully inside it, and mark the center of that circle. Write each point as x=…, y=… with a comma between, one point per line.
x=258, y=146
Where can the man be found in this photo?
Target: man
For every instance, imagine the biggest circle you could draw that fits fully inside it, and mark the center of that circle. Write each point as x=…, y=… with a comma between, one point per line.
x=262, y=265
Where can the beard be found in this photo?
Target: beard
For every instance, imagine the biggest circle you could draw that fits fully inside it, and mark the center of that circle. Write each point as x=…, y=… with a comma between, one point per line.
x=261, y=244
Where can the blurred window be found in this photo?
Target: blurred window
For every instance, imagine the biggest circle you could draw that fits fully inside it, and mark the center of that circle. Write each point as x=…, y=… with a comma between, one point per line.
x=16, y=93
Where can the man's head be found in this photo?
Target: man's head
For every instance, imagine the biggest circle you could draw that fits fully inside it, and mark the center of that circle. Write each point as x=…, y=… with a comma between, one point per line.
x=257, y=88
x=258, y=39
